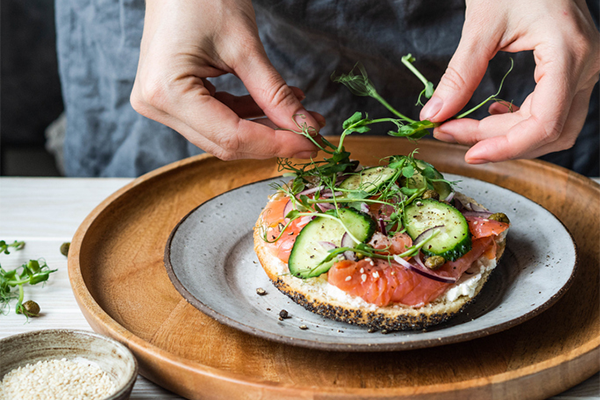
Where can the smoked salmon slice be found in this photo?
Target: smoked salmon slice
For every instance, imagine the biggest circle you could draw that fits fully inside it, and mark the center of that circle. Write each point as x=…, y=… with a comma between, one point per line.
x=380, y=282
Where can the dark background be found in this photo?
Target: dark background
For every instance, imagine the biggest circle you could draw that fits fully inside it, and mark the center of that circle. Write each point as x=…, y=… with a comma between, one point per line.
x=30, y=97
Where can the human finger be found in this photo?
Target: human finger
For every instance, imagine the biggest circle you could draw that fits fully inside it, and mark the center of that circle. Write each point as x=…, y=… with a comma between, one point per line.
x=516, y=144
x=272, y=94
x=478, y=44
x=245, y=106
x=211, y=125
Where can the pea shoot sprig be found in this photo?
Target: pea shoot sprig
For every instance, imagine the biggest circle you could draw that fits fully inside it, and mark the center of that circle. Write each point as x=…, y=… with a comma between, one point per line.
x=5, y=247
x=32, y=273
x=361, y=85
x=315, y=189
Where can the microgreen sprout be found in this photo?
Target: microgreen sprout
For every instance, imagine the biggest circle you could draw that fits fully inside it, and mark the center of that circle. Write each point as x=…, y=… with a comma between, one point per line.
x=32, y=273
x=361, y=85
x=4, y=247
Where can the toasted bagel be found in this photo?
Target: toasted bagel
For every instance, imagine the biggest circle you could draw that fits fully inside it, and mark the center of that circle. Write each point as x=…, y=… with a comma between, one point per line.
x=323, y=298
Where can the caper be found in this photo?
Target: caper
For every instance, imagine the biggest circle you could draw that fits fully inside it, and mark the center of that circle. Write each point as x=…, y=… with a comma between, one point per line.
x=434, y=262
x=30, y=308
x=431, y=194
x=500, y=217
x=64, y=248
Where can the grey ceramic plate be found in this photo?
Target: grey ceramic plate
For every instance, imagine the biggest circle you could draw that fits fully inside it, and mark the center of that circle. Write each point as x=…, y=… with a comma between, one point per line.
x=211, y=261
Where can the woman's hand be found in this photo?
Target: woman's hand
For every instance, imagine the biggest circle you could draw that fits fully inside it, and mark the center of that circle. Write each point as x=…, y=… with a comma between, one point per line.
x=185, y=42
x=565, y=45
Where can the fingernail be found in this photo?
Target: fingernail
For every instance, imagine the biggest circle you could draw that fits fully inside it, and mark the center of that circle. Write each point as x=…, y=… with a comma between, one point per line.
x=476, y=161
x=476, y=156
x=305, y=154
x=433, y=106
x=444, y=137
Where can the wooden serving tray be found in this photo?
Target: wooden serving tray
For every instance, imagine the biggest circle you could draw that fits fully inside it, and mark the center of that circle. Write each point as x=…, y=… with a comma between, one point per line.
x=119, y=280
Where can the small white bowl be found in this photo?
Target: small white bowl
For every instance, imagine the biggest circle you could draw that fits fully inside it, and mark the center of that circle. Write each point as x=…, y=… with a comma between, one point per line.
x=79, y=346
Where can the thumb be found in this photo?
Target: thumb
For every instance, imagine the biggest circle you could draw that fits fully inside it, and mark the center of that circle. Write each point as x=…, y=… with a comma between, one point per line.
x=270, y=91
x=464, y=73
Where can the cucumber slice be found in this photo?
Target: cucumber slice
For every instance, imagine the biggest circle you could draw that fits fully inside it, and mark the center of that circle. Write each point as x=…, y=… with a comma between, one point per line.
x=369, y=179
x=308, y=251
x=453, y=239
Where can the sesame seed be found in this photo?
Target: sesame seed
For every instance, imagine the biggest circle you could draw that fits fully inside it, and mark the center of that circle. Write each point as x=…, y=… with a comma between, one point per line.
x=363, y=277
x=349, y=277
x=57, y=379
x=376, y=274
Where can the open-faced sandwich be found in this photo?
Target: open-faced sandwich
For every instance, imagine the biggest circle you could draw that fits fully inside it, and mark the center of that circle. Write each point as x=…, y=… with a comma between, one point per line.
x=391, y=247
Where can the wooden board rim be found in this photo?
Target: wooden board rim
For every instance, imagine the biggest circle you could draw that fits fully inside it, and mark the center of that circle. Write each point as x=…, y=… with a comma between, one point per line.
x=588, y=353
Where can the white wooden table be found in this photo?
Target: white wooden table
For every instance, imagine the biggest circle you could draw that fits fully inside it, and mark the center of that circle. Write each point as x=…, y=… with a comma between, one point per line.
x=45, y=212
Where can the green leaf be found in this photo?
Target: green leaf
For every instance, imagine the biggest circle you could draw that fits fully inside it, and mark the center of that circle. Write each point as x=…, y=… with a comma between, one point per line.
x=429, y=90
x=361, y=129
x=33, y=266
x=10, y=275
x=358, y=194
x=41, y=277
x=357, y=205
x=292, y=214
x=429, y=172
x=357, y=116
x=407, y=191
x=408, y=171
x=298, y=185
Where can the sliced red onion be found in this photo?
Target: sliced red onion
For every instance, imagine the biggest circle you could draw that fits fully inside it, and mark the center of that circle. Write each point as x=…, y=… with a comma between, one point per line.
x=326, y=206
x=458, y=204
x=422, y=270
x=425, y=234
x=364, y=208
x=341, y=178
x=288, y=207
x=312, y=190
x=483, y=214
x=450, y=197
x=402, y=261
x=420, y=263
x=382, y=226
x=327, y=193
x=347, y=241
x=306, y=219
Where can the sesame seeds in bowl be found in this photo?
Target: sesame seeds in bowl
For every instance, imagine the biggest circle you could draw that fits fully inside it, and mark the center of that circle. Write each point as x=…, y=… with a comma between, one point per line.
x=65, y=364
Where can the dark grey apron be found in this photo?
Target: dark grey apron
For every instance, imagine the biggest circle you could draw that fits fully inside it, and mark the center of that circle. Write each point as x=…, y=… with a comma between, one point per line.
x=98, y=48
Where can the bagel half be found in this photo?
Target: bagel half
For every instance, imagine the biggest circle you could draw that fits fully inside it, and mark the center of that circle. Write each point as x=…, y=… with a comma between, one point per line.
x=323, y=298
